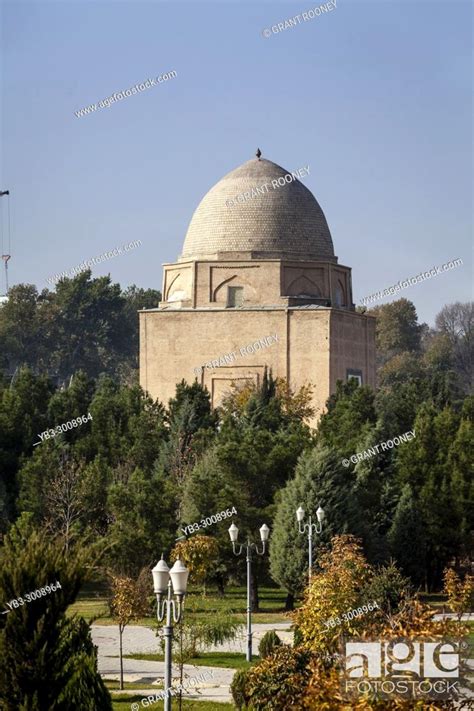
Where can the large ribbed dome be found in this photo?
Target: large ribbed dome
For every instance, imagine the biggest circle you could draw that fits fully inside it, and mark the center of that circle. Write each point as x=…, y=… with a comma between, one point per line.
x=285, y=221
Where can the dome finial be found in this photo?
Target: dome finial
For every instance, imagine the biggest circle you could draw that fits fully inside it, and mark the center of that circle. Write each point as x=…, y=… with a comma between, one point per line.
x=258, y=153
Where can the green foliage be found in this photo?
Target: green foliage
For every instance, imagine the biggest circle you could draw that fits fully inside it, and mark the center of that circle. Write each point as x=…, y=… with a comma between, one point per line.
x=424, y=463
x=48, y=659
x=22, y=417
x=350, y=416
x=279, y=681
x=397, y=328
x=237, y=689
x=192, y=405
x=136, y=473
x=85, y=324
x=461, y=467
x=269, y=642
x=388, y=588
x=407, y=537
x=320, y=480
x=194, y=636
x=253, y=455
x=125, y=435
x=141, y=507
x=191, y=430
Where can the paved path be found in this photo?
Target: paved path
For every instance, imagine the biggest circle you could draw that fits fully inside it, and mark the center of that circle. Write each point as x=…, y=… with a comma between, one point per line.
x=143, y=639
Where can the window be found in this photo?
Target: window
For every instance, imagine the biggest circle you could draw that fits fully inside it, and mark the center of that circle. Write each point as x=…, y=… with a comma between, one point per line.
x=354, y=375
x=235, y=296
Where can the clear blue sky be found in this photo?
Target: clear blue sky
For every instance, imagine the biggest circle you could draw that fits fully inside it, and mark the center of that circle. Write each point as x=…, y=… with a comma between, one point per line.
x=374, y=96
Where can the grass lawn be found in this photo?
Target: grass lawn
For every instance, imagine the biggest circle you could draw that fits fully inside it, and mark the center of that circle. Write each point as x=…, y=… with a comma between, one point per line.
x=92, y=605
x=433, y=600
x=123, y=703
x=227, y=660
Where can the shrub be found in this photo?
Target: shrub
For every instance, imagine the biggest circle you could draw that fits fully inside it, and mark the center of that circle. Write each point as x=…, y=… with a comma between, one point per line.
x=269, y=642
x=389, y=588
x=280, y=681
x=237, y=689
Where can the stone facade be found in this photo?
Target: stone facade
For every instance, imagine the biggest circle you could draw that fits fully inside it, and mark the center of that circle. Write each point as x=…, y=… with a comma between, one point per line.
x=262, y=291
x=267, y=282
x=318, y=346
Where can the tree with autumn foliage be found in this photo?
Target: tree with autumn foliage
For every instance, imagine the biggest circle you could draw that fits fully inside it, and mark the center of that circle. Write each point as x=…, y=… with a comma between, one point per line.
x=307, y=676
x=199, y=554
x=336, y=590
x=460, y=593
x=128, y=601
x=295, y=404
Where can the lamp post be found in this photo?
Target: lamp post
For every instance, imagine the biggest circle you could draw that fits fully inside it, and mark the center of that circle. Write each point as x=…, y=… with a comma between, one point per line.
x=310, y=527
x=163, y=578
x=233, y=533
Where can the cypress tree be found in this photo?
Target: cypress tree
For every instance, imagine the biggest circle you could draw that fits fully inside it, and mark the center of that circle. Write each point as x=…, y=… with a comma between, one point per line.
x=320, y=479
x=48, y=659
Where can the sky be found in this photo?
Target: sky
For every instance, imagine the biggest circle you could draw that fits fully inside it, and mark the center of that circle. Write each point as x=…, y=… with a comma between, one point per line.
x=373, y=96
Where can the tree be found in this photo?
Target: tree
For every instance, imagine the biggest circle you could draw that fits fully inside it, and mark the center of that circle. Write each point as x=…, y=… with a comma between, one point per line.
x=408, y=538
x=397, y=329
x=48, y=659
x=199, y=554
x=424, y=463
x=460, y=464
x=337, y=589
x=135, y=300
x=456, y=321
x=65, y=500
x=388, y=588
x=307, y=675
x=23, y=408
x=320, y=480
x=278, y=682
x=253, y=455
x=460, y=593
x=268, y=644
x=192, y=425
x=376, y=490
x=349, y=417
x=143, y=522
x=209, y=489
x=127, y=425
x=22, y=331
x=128, y=601
x=445, y=382
x=87, y=324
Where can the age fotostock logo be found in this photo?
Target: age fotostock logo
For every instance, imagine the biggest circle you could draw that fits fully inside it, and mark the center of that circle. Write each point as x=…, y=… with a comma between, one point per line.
x=404, y=668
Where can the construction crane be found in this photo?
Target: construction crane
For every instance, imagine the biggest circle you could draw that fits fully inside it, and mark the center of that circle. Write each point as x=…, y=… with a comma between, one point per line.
x=6, y=256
